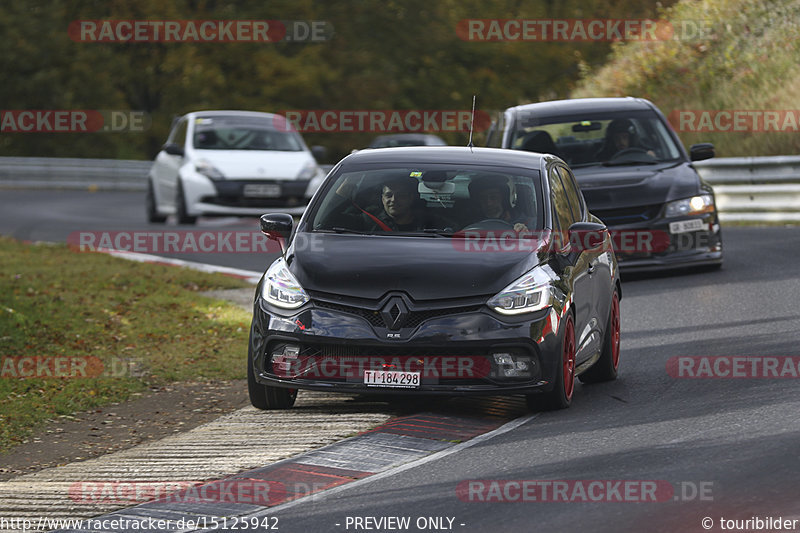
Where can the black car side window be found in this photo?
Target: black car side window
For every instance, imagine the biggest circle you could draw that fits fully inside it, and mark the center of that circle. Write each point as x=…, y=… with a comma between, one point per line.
x=573, y=193
x=560, y=202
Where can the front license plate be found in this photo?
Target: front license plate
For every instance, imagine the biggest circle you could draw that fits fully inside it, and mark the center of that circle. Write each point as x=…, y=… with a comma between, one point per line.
x=262, y=190
x=686, y=225
x=391, y=378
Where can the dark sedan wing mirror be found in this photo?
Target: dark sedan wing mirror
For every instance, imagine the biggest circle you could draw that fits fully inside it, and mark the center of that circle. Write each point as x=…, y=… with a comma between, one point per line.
x=173, y=149
x=586, y=236
x=702, y=151
x=277, y=227
x=319, y=152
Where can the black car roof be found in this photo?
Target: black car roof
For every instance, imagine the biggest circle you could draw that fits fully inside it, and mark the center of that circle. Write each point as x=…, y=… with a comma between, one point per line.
x=584, y=105
x=447, y=154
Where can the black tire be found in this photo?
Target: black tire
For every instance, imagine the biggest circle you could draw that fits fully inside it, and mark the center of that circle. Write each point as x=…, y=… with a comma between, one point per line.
x=152, y=211
x=560, y=397
x=607, y=367
x=265, y=397
x=180, y=206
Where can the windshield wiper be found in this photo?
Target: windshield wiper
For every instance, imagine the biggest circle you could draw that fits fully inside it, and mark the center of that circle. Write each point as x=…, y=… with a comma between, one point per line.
x=629, y=162
x=337, y=229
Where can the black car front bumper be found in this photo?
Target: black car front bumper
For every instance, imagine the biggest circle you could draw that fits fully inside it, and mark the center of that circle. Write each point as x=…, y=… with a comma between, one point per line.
x=453, y=348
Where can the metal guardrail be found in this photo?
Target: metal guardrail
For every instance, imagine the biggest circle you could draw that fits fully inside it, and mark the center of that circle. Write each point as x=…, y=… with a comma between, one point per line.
x=757, y=189
x=73, y=173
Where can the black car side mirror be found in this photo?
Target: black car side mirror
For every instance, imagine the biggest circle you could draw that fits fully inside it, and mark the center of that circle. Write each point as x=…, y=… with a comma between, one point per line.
x=319, y=152
x=585, y=236
x=702, y=151
x=173, y=149
x=277, y=225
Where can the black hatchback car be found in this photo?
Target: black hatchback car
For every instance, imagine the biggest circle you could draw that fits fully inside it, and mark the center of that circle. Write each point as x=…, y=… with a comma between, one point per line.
x=634, y=173
x=438, y=270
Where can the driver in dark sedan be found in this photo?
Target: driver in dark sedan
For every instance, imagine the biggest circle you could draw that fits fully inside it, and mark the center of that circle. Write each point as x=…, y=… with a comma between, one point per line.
x=620, y=135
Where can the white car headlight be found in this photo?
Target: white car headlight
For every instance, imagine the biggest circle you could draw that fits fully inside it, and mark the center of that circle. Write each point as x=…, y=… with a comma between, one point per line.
x=281, y=288
x=308, y=171
x=531, y=292
x=208, y=170
x=696, y=205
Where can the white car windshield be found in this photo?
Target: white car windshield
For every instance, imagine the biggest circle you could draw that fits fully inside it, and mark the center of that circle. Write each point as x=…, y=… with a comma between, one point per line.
x=223, y=133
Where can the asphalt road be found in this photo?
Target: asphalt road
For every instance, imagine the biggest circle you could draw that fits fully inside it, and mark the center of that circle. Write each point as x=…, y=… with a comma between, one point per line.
x=716, y=447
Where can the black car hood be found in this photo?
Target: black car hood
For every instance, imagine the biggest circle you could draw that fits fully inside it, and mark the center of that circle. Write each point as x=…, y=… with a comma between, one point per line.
x=628, y=186
x=426, y=268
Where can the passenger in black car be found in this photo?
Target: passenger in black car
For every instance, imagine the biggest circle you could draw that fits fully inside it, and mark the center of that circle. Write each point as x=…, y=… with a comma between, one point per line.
x=494, y=201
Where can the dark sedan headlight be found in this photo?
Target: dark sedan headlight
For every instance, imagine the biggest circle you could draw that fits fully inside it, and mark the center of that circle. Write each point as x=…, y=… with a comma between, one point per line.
x=531, y=292
x=281, y=288
x=696, y=205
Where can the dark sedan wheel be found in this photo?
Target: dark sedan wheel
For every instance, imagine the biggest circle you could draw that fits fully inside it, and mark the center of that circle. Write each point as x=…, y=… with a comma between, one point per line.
x=266, y=397
x=560, y=397
x=180, y=206
x=152, y=211
x=605, y=369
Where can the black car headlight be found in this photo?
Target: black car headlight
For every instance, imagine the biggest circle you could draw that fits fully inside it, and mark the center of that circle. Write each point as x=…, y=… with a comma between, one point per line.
x=531, y=292
x=281, y=288
x=696, y=205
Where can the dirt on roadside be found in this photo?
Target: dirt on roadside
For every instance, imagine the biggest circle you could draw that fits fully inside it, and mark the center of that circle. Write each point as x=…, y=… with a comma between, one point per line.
x=148, y=416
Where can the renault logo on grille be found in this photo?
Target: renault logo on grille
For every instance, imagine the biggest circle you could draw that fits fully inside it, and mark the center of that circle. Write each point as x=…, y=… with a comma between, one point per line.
x=394, y=313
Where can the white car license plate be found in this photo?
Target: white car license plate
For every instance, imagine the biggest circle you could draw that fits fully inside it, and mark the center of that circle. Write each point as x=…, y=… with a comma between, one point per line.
x=262, y=190
x=686, y=225
x=391, y=378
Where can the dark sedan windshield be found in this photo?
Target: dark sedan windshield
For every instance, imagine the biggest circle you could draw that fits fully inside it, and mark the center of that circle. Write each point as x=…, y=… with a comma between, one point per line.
x=436, y=200
x=599, y=138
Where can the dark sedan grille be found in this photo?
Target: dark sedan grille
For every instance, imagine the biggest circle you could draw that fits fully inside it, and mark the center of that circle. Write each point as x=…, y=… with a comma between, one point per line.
x=627, y=215
x=349, y=352
x=415, y=318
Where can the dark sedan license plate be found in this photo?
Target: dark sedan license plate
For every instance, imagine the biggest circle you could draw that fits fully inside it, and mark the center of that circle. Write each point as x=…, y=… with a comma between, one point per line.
x=262, y=190
x=391, y=378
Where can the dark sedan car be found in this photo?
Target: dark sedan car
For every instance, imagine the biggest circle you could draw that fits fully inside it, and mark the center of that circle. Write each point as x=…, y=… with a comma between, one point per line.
x=634, y=173
x=439, y=270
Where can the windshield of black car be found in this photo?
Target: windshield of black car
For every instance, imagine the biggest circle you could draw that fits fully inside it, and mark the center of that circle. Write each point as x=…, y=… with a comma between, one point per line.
x=242, y=133
x=430, y=200
x=616, y=138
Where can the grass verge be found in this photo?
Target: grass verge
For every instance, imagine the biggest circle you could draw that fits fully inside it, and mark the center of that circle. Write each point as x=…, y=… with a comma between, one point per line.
x=81, y=330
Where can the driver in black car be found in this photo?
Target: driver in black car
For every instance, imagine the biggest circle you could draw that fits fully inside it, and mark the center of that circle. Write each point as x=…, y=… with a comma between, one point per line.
x=493, y=199
x=620, y=136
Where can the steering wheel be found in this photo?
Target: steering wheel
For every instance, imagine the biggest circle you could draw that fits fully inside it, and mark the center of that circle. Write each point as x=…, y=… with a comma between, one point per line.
x=489, y=224
x=630, y=151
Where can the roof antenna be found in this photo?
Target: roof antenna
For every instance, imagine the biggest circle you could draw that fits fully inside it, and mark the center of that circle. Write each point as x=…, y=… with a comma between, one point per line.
x=471, y=121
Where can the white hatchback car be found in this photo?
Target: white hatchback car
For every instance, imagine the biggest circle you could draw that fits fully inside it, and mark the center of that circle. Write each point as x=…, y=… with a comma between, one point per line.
x=218, y=163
